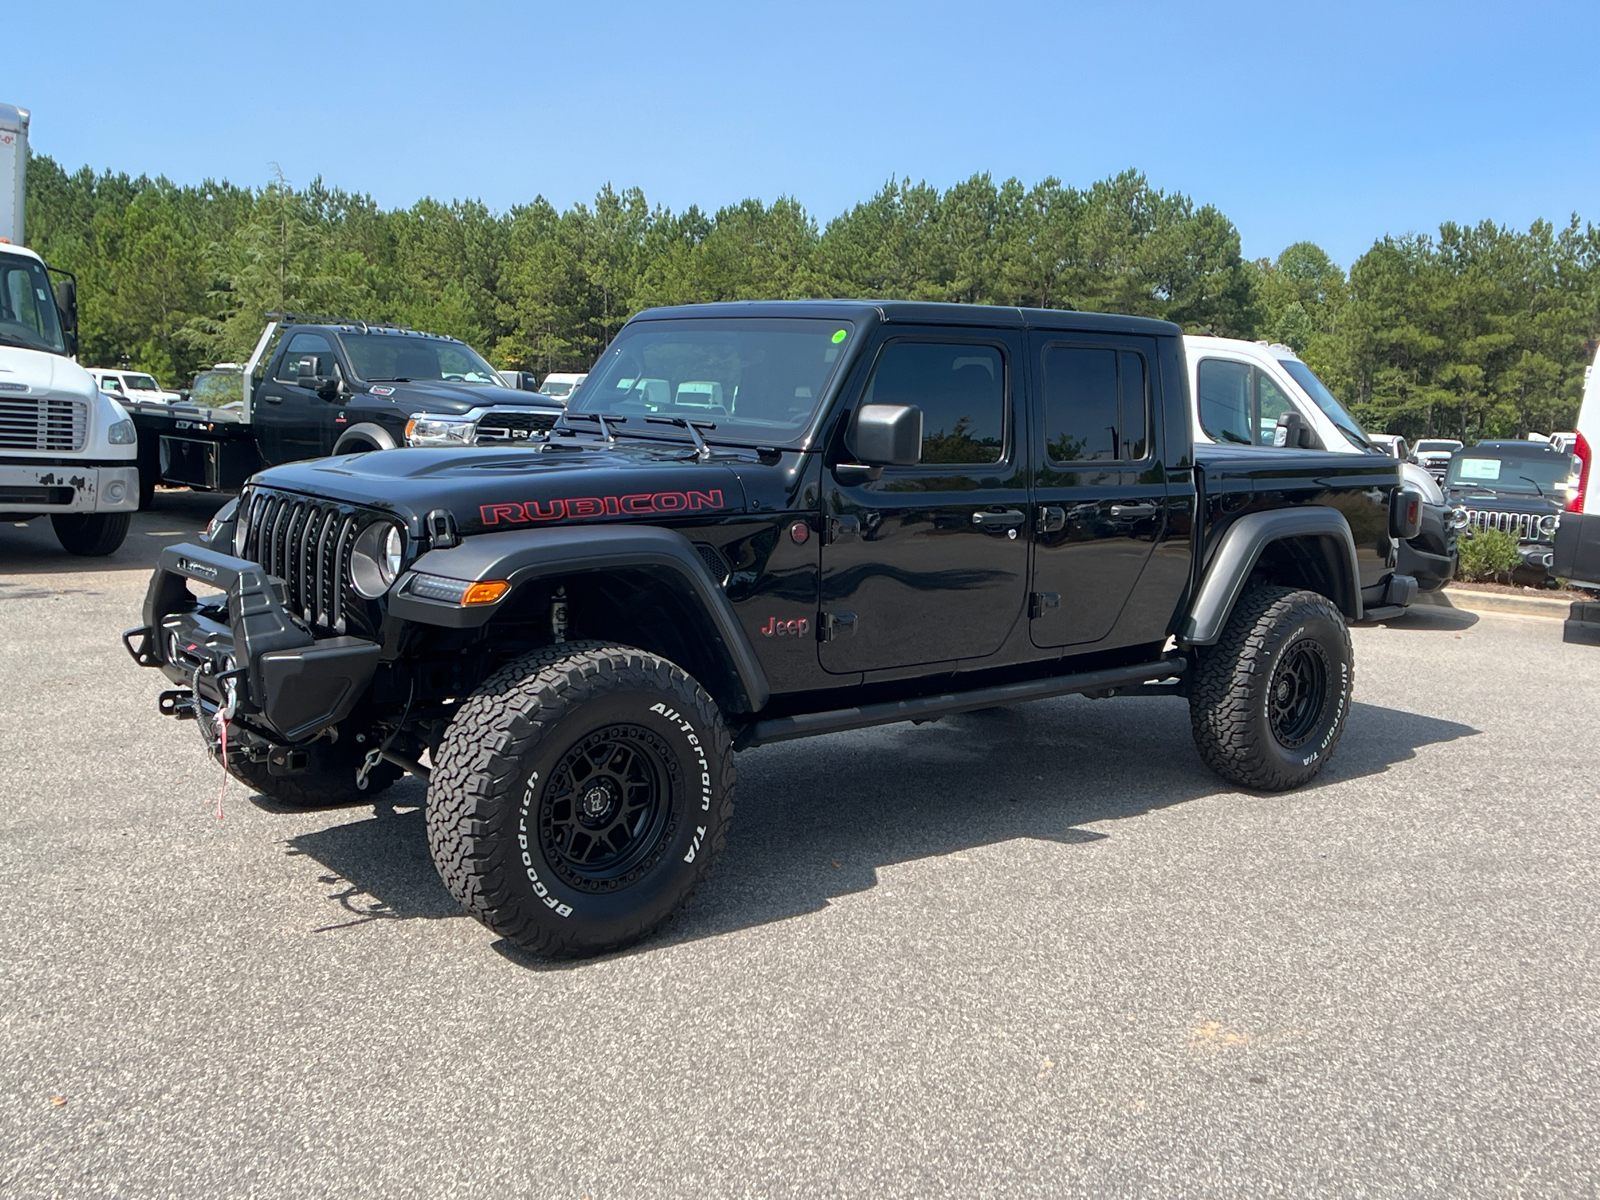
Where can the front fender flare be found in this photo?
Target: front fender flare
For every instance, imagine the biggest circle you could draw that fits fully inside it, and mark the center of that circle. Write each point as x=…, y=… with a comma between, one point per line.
x=522, y=556
x=1240, y=550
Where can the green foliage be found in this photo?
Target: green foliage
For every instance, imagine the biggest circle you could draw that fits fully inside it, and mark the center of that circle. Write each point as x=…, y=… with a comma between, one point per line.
x=175, y=278
x=1480, y=332
x=1487, y=555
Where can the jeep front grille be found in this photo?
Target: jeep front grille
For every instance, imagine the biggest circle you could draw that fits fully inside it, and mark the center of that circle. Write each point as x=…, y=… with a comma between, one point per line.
x=1525, y=527
x=512, y=425
x=307, y=543
x=27, y=423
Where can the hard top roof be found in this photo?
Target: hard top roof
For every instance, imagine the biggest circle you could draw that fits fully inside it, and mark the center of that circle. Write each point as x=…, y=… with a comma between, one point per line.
x=1516, y=449
x=918, y=312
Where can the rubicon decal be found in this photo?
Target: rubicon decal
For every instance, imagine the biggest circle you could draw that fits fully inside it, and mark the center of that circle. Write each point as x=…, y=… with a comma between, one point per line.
x=576, y=508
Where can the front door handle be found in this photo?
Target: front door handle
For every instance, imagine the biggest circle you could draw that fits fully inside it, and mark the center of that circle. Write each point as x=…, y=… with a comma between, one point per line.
x=1133, y=511
x=271, y=399
x=999, y=521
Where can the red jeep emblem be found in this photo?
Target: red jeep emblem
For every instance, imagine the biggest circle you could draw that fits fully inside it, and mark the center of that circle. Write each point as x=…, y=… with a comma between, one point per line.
x=793, y=627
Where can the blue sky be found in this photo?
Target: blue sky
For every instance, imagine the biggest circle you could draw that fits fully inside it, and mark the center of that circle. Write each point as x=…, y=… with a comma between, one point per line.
x=1334, y=122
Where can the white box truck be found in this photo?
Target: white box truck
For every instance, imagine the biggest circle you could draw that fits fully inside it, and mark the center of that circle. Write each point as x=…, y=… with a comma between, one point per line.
x=67, y=450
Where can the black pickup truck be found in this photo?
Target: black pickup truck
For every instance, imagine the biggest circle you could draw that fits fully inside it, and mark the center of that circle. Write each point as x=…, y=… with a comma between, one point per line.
x=322, y=385
x=760, y=522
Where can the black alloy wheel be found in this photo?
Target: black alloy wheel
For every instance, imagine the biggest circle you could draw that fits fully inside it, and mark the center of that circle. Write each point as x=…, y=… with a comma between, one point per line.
x=604, y=810
x=1298, y=693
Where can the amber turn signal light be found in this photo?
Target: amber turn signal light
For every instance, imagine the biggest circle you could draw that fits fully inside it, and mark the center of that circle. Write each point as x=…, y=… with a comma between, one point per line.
x=486, y=592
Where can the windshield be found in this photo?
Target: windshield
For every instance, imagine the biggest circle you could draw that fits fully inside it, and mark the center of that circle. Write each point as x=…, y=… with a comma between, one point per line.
x=399, y=358
x=216, y=388
x=1547, y=475
x=1438, y=447
x=756, y=380
x=142, y=383
x=1325, y=400
x=28, y=307
x=556, y=389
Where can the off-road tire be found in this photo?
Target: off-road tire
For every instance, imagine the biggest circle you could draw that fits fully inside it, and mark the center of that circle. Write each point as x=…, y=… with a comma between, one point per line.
x=518, y=745
x=92, y=535
x=329, y=788
x=1275, y=637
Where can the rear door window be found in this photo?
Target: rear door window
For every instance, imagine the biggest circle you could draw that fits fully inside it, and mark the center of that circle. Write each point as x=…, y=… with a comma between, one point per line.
x=1096, y=404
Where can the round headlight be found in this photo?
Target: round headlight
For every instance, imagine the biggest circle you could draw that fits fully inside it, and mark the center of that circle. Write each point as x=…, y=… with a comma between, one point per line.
x=375, y=559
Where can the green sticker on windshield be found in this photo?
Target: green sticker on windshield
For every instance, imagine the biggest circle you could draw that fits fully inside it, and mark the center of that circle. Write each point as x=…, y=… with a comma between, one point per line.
x=840, y=336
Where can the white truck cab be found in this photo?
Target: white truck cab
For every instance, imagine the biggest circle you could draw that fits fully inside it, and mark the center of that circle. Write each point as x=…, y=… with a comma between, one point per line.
x=1240, y=390
x=67, y=450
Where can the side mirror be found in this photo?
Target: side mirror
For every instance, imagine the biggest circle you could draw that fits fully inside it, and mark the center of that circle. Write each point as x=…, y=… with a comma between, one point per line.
x=308, y=374
x=1293, y=432
x=67, y=306
x=889, y=435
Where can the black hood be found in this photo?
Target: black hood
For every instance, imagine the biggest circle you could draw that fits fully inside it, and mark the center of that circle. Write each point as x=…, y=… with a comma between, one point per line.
x=493, y=490
x=1495, y=500
x=447, y=396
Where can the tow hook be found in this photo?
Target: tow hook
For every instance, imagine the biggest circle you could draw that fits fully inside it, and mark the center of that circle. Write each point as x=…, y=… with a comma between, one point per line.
x=178, y=703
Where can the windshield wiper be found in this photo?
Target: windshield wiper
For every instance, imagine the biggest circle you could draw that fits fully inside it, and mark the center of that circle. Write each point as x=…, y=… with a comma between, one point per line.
x=701, y=450
x=390, y=379
x=1535, y=483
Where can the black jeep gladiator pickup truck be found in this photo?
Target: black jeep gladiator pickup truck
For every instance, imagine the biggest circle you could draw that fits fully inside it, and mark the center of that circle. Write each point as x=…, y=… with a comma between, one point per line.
x=757, y=522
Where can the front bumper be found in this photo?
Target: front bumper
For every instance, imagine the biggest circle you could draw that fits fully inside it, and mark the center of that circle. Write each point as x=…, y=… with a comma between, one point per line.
x=68, y=487
x=245, y=644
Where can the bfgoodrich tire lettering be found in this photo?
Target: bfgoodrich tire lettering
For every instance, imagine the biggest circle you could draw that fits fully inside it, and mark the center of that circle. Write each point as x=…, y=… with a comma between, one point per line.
x=580, y=797
x=1268, y=702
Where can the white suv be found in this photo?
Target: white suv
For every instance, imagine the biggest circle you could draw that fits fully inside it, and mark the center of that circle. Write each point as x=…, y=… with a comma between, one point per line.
x=1239, y=390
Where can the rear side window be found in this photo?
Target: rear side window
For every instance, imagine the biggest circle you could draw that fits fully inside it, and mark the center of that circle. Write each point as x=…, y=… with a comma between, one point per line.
x=960, y=390
x=1096, y=406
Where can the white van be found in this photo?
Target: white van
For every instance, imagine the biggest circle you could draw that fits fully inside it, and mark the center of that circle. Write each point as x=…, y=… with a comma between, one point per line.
x=1577, y=551
x=1239, y=390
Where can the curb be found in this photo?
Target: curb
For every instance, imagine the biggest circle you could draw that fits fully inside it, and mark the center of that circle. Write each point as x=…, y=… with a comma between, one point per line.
x=1548, y=607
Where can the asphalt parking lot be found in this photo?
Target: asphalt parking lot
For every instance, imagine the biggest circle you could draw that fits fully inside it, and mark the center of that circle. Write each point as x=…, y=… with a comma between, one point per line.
x=1032, y=952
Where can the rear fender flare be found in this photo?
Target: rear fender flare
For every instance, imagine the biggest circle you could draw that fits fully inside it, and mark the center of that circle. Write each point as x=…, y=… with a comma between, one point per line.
x=526, y=556
x=1240, y=550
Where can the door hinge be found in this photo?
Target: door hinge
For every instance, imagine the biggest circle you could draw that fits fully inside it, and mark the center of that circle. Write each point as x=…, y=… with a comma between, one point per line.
x=1042, y=602
x=832, y=625
x=1051, y=519
x=842, y=529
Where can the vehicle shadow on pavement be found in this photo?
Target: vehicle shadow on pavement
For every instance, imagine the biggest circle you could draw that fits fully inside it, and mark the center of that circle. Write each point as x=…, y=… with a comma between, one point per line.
x=818, y=824
x=31, y=548
x=817, y=820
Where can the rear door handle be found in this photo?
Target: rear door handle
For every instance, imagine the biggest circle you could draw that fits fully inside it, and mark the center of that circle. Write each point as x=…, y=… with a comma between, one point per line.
x=1133, y=510
x=995, y=522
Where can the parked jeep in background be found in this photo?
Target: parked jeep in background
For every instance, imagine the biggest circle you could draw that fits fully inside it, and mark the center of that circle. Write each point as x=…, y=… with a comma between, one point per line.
x=137, y=385
x=1519, y=488
x=758, y=522
x=1264, y=394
